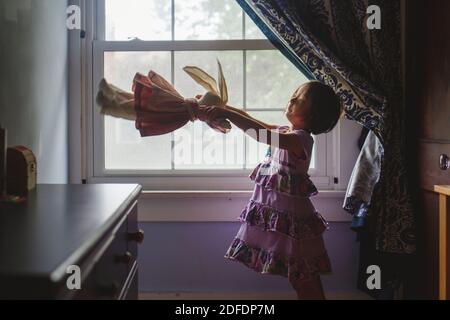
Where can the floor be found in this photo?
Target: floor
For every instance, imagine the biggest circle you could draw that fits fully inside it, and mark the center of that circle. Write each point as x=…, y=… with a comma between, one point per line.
x=243, y=296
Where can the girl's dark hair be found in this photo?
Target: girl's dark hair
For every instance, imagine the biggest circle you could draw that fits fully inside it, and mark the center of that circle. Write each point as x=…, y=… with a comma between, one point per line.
x=326, y=107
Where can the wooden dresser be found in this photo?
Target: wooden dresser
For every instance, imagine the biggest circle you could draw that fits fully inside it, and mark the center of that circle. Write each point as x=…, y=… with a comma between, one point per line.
x=64, y=227
x=444, y=241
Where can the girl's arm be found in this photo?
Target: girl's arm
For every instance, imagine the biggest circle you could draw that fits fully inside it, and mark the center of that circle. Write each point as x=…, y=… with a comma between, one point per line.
x=256, y=130
x=266, y=125
x=242, y=112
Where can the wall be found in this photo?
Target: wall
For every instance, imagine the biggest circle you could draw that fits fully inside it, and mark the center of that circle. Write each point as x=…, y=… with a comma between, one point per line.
x=34, y=80
x=180, y=257
x=428, y=93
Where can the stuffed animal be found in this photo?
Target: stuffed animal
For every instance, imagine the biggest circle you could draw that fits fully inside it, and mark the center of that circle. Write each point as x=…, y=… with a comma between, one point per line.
x=156, y=106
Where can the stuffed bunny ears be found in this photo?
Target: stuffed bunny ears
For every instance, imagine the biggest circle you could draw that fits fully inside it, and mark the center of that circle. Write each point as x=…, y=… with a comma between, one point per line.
x=214, y=95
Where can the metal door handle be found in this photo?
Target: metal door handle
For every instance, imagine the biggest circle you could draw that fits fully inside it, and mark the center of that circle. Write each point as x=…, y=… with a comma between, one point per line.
x=444, y=162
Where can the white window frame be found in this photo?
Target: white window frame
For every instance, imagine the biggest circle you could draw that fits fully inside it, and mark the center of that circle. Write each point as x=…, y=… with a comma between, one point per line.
x=91, y=137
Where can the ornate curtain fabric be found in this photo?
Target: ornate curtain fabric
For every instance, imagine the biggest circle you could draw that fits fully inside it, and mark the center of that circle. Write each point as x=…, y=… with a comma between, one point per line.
x=329, y=40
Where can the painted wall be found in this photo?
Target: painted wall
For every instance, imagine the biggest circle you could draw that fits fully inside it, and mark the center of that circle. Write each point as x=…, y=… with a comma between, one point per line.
x=189, y=257
x=34, y=81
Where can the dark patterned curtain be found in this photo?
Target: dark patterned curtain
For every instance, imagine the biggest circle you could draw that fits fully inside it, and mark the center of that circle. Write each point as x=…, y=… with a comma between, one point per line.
x=329, y=40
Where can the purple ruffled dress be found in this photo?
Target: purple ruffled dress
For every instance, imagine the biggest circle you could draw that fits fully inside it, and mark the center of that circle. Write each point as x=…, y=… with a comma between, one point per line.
x=281, y=232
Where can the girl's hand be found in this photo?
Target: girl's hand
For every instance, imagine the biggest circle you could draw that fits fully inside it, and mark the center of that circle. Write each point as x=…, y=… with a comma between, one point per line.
x=190, y=102
x=214, y=112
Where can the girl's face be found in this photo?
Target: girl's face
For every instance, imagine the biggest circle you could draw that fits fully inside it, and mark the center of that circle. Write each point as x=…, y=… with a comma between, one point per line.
x=298, y=107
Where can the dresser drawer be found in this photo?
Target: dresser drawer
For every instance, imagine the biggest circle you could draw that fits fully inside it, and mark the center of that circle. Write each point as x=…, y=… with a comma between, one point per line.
x=110, y=264
x=135, y=236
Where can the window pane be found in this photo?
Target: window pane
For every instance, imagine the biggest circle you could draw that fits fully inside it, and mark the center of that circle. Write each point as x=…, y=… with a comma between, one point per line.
x=312, y=164
x=271, y=79
x=144, y=19
x=199, y=147
x=121, y=66
x=124, y=148
x=232, y=65
x=255, y=150
x=207, y=20
x=251, y=30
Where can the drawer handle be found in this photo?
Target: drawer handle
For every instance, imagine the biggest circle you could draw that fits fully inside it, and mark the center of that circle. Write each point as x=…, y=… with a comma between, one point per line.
x=136, y=236
x=126, y=258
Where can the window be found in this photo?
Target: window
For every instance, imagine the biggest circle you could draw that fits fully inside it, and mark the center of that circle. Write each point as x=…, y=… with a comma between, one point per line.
x=166, y=35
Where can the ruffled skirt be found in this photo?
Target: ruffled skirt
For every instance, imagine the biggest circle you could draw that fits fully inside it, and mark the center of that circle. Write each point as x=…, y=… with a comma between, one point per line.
x=280, y=235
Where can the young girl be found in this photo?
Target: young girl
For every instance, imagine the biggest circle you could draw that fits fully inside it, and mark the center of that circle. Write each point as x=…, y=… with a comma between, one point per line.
x=281, y=232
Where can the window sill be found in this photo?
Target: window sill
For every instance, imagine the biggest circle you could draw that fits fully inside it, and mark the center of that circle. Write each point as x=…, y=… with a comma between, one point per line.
x=220, y=206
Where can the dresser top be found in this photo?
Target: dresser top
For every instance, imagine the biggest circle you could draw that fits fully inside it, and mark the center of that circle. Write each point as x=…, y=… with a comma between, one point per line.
x=57, y=225
x=442, y=189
